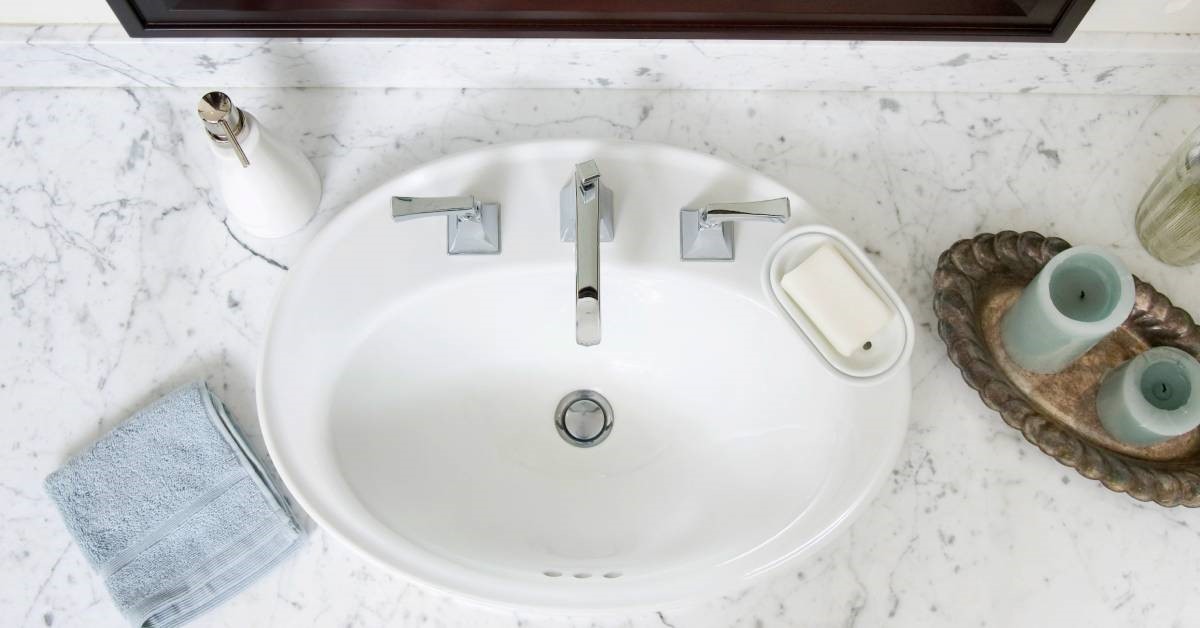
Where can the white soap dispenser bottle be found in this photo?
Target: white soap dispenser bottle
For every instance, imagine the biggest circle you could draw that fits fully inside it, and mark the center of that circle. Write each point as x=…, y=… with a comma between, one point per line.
x=270, y=188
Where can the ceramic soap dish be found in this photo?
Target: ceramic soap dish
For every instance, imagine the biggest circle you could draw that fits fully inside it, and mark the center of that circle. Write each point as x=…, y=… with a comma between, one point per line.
x=886, y=352
x=976, y=281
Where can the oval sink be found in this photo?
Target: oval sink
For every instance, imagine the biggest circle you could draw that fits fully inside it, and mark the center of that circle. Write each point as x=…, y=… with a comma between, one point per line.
x=408, y=397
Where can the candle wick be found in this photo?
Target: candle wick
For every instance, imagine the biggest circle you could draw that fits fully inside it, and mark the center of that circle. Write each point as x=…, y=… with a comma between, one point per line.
x=1082, y=295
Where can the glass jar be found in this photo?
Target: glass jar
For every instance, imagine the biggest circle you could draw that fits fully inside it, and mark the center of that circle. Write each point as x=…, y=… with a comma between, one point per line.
x=1168, y=218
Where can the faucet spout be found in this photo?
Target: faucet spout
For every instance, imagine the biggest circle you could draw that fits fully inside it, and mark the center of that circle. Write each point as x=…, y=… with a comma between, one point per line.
x=585, y=209
x=587, y=254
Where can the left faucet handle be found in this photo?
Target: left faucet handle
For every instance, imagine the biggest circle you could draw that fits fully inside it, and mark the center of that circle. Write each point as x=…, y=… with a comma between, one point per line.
x=472, y=227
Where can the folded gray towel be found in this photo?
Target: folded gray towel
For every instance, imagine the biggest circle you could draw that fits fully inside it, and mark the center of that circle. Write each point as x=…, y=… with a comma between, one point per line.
x=173, y=510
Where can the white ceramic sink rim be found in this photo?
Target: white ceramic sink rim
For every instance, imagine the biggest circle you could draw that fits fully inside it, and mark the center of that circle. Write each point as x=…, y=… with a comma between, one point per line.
x=294, y=401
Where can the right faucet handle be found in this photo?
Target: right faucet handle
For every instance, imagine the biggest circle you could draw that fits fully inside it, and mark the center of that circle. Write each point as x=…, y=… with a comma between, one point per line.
x=706, y=233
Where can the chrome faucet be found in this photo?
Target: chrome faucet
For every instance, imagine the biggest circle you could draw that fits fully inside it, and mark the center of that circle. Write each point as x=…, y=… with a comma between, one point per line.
x=586, y=218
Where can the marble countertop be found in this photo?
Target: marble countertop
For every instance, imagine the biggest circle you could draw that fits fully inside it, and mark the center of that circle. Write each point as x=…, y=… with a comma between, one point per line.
x=119, y=278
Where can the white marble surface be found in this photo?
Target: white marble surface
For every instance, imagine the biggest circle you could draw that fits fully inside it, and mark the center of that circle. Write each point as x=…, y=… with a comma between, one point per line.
x=119, y=279
x=1090, y=63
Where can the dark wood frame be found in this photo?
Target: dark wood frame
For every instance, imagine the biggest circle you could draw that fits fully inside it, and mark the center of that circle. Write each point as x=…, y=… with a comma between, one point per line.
x=256, y=18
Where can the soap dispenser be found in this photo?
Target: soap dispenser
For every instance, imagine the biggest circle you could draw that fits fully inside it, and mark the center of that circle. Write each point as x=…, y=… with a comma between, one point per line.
x=270, y=188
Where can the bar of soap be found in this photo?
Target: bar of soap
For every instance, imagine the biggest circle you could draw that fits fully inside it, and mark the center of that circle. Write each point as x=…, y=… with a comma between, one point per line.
x=836, y=299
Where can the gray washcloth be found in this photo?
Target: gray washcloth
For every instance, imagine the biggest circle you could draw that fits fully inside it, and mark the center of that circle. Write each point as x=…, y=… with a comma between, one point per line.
x=172, y=509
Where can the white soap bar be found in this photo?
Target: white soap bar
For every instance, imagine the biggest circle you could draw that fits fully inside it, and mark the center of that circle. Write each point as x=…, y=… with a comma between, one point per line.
x=837, y=301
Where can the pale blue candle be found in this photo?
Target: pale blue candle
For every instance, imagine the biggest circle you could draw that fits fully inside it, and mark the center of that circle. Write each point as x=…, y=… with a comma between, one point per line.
x=1152, y=397
x=1079, y=297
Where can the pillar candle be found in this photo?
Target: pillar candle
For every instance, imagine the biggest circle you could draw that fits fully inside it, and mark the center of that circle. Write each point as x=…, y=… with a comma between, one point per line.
x=1152, y=397
x=1078, y=298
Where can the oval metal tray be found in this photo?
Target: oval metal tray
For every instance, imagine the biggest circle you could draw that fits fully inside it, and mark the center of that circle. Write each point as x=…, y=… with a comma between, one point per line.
x=975, y=283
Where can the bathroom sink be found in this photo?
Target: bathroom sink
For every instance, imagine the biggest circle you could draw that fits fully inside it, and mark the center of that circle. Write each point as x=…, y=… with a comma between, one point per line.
x=408, y=397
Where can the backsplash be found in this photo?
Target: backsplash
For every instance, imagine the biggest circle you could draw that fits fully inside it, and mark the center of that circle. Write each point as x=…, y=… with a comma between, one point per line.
x=1091, y=63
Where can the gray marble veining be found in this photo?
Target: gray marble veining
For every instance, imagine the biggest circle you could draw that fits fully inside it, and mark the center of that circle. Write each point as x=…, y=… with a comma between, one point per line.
x=119, y=278
x=1091, y=63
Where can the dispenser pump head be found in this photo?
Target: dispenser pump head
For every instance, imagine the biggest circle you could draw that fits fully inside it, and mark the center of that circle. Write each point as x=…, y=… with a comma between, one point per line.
x=223, y=121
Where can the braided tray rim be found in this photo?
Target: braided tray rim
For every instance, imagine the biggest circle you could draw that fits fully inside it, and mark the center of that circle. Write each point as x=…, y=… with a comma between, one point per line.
x=962, y=268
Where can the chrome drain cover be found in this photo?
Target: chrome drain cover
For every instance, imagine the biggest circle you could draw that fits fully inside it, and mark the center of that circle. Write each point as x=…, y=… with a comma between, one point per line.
x=584, y=418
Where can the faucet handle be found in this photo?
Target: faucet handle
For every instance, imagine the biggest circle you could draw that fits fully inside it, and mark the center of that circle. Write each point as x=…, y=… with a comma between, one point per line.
x=472, y=227
x=707, y=233
x=408, y=207
x=774, y=210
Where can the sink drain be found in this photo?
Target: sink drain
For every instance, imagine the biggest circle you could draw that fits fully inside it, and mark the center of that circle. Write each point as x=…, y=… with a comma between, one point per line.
x=584, y=418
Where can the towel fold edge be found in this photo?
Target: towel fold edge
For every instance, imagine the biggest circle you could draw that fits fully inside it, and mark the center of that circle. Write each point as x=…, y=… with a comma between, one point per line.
x=219, y=415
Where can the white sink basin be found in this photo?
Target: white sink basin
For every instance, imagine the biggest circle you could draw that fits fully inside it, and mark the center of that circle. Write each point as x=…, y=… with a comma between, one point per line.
x=408, y=396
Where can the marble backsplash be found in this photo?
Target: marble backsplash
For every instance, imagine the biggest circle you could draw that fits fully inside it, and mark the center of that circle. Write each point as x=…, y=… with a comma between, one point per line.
x=1091, y=63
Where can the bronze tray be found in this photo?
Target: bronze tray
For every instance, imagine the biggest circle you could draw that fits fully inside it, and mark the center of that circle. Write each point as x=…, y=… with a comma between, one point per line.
x=976, y=281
